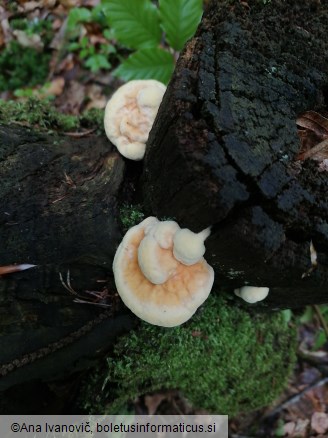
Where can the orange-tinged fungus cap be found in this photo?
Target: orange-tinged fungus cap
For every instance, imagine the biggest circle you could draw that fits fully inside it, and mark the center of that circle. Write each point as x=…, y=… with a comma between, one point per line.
x=140, y=260
x=130, y=114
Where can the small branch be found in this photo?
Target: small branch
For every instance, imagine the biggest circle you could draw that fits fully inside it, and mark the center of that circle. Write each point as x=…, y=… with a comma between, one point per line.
x=295, y=398
x=322, y=320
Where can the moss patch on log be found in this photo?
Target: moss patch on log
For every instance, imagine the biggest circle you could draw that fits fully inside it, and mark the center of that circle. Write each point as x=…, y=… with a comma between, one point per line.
x=226, y=360
x=42, y=114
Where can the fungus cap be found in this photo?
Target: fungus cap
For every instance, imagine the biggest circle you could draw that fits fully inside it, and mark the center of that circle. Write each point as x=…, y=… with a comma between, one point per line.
x=130, y=114
x=140, y=261
x=188, y=247
x=252, y=294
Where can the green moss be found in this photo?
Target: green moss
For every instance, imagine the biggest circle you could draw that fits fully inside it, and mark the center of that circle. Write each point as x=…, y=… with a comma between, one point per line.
x=43, y=115
x=22, y=66
x=131, y=215
x=225, y=360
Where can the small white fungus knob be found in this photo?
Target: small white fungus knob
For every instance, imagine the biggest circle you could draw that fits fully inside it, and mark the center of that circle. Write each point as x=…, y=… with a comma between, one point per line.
x=188, y=247
x=252, y=294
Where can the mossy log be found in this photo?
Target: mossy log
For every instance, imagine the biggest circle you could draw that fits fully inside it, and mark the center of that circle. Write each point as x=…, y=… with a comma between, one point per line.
x=223, y=148
x=58, y=199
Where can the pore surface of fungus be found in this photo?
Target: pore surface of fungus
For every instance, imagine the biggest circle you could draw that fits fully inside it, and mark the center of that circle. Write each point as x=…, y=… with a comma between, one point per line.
x=130, y=114
x=152, y=283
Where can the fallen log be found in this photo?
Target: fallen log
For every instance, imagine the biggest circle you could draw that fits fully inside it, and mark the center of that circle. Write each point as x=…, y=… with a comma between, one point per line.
x=58, y=212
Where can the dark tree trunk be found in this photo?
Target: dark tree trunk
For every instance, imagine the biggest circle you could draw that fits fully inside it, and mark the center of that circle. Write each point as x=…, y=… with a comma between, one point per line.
x=223, y=147
x=58, y=200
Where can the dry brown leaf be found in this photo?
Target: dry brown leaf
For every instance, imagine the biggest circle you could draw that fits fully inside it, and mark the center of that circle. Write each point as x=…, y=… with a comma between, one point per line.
x=2, y=36
x=25, y=40
x=91, y=3
x=153, y=401
x=49, y=4
x=55, y=88
x=30, y=6
x=69, y=3
x=66, y=64
x=301, y=428
x=314, y=121
x=289, y=428
x=313, y=133
x=97, y=99
x=323, y=166
x=319, y=422
x=71, y=100
x=5, y=27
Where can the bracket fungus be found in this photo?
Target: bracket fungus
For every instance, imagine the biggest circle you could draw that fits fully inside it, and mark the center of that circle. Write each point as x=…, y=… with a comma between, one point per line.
x=252, y=294
x=130, y=114
x=152, y=282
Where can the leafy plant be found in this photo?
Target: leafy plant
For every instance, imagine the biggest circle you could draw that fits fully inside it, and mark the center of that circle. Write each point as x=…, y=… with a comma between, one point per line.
x=95, y=57
x=321, y=314
x=155, y=33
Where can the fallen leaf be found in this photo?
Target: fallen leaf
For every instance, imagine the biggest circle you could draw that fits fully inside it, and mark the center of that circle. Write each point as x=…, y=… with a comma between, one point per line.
x=5, y=27
x=2, y=36
x=25, y=40
x=319, y=422
x=69, y=3
x=323, y=166
x=153, y=401
x=97, y=99
x=49, y=3
x=71, y=100
x=55, y=88
x=313, y=133
x=301, y=428
x=31, y=6
x=289, y=428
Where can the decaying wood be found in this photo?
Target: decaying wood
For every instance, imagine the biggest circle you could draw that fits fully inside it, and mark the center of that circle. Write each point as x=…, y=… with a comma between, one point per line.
x=224, y=148
x=58, y=212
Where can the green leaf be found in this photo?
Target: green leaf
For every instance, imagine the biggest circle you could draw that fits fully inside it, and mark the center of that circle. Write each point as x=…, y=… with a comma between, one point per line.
x=287, y=315
x=78, y=15
x=135, y=22
x=73, y=46
x=320, y=340
x=180, y=19
x=154, y=63
x=97, y=62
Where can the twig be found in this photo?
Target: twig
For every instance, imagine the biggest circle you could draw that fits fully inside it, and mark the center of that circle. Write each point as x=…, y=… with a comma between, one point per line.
x=295, y=398
x=323, y=322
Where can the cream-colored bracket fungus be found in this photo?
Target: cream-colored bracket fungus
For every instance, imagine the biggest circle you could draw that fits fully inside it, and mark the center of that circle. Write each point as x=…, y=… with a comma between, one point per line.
x=252, y=294
x=130, y=114
x=154, y=284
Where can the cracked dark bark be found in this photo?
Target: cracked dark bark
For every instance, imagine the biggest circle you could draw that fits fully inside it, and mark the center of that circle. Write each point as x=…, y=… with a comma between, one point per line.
x=58, y=200
x=223, y=147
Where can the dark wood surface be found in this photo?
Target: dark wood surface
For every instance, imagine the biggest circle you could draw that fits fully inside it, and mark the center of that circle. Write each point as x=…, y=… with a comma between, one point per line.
x=223, y=148
x=59, y=211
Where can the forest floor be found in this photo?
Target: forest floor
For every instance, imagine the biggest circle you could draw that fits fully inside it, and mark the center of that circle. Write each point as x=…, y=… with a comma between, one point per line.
x=54, y=50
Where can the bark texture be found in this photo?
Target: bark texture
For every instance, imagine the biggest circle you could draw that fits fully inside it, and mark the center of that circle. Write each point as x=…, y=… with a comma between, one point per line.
x=58, y=200
x=223, y=147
